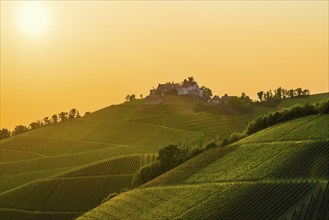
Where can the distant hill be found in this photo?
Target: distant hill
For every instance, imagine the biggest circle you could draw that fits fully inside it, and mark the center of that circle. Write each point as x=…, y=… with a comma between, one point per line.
x=51, y=161
x=279, y=173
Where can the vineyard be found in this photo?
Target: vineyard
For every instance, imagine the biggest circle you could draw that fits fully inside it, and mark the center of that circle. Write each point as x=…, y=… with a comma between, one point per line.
x=64, y=169
x=77, y=190
x=283, y=179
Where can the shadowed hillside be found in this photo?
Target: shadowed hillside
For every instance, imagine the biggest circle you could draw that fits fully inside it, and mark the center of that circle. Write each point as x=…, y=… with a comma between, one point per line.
x=284, y=177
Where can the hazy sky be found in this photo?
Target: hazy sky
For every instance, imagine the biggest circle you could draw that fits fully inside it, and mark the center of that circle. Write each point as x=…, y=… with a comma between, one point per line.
x=88, y=55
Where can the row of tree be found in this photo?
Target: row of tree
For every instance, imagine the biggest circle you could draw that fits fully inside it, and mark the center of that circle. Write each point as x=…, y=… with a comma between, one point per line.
x=281, y=93
x=273, y=118
x=19, y=129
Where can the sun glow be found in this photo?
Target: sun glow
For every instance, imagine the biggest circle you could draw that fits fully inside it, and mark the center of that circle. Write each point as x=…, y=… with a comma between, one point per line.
x=33, y=18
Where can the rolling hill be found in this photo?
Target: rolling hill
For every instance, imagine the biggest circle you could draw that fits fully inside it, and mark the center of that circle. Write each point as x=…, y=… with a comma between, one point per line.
x=84, y=160
x=279, y=173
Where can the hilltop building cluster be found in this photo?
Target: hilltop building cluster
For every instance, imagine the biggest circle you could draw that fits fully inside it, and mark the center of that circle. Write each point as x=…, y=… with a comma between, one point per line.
x=187, y=88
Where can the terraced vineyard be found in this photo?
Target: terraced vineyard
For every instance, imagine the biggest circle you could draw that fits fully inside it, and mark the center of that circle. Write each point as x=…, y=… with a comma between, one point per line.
x=260, y=177
x=75, y=191
x=91, y=154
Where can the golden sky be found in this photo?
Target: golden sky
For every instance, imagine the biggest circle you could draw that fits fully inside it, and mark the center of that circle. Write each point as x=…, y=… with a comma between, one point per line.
x=60, y=55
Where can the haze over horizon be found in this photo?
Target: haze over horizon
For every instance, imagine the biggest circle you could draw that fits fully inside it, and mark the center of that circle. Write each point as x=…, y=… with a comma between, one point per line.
x=89, y=55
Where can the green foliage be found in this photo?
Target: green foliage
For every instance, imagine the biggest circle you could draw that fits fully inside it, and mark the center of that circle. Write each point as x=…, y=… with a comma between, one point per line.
x=235, y=104
x=211, y=144
x=270, y=99
x=235, y=136
x=168, y=158
x=296, y=111
x=322, y=107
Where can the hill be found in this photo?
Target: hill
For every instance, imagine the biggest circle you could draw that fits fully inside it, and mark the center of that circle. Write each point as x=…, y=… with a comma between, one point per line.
x=43, y=167
x=283, y=170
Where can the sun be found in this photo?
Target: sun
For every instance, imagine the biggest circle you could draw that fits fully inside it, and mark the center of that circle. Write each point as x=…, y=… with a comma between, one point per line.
x=33, y=18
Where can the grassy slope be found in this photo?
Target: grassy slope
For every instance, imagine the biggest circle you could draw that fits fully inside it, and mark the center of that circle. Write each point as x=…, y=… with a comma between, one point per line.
x=62, y=194
x=131, y=128
x=280, y=176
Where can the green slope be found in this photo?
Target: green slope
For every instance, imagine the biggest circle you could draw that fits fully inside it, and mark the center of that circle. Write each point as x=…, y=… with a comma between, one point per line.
x=62, y=195
x=117, y=131
x=135, y=124
x=280, y=177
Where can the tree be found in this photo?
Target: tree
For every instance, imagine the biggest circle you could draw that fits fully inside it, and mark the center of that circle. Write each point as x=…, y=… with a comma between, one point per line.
x=87, y=113
x=285, y=93
x=260, y=95
x=62, y=116
x=278, y=93
x=267, y=96
x=291, y=93
x=19, y=129
x=299, y=91
x=306, y=92
x=127, y=98
x=207, y=93
x=170, y=156
x=132, y=97
x=78, y=115
x=54, y=118
x=245, y=98
x=190, y=79
x=36, y=124
x=46, y=121
x=4, y=133
x=141, y=96
x=72, y=113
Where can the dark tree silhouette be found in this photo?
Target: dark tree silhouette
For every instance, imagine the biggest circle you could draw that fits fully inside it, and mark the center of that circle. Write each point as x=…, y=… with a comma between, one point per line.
x=19, y=129
x=46, y=120
x=127, y=98
x=72, y=113
x=132, y=97
x=190, y=79
x=36, y=124
x=299, y=91
x=207, y=93
x=4, y=133
x=54, y=119
x=260, y=95
x=63, y=116
x=291, y=93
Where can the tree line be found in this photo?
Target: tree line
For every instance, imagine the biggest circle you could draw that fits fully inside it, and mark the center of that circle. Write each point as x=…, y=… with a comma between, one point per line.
x=55, y=118
x=274, y=97
x=283, y=115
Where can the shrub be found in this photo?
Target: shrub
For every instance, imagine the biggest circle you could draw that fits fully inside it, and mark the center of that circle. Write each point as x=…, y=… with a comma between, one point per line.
x=323, y=107
x=296, y=111
x=211, y=144
x=235, y=136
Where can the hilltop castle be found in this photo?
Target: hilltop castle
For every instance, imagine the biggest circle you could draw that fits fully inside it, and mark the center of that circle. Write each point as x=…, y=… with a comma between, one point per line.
x=187, y=87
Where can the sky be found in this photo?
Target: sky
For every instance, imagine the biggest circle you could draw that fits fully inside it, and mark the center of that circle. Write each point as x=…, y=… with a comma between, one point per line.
x=59, y=55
